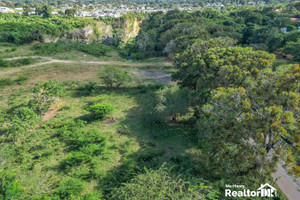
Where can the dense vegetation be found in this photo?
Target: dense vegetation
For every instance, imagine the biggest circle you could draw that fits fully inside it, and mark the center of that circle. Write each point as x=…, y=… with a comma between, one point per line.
x=76, y=130
x=259, y=28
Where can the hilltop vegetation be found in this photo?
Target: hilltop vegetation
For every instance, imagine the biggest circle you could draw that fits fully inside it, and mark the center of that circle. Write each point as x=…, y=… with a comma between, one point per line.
x=93, y=121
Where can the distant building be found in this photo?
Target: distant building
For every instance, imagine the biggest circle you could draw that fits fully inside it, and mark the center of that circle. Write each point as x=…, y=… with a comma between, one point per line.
x=5, y=10
x=278, y=10
x=284, y=30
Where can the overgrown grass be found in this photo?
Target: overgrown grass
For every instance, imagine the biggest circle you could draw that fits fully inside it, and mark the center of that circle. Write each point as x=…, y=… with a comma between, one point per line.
x=64, y=46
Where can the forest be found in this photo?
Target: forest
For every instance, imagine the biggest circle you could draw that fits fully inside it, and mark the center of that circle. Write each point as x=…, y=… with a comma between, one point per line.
x=160, y=105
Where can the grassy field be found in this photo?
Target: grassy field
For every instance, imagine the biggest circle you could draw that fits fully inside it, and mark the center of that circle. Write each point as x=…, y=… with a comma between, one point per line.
x=130, y=145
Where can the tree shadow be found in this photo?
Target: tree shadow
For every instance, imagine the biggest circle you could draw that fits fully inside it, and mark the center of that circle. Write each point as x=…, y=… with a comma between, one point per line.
x=159, y=143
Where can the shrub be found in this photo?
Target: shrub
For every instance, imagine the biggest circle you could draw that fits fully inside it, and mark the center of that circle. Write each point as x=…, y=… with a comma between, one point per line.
x=138, y=56
x=10, y=186
x=4, y=63
x=21, y=78
x=100, y=98
x=65, y=45
x=50, y=48
x=160, y=184
x=46, y=93
x=70, y=188
x=6, y=82
x=22, y=121
x=27, y=114
x=93, y=49
x=100, y=110
x=16, y=62
x=166, y=103
x=114, y=77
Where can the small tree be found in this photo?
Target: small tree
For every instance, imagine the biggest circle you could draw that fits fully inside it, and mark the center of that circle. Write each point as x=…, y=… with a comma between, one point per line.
x=46, y=11
x=26, y=10
x=114, y=77
x=70, y=12
x=100, y=110
x=47, y=93
x=169, y=102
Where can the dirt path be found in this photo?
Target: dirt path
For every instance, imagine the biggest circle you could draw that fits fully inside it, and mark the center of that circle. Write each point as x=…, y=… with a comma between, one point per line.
x=287, y=183
x=9, y=71
x=53, y=111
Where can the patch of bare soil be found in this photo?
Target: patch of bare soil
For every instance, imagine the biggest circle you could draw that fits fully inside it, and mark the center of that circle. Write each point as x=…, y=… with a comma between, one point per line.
x=110, y=121
x=53, y=111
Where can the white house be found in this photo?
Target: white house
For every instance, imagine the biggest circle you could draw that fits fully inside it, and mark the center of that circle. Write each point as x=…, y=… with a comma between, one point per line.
x=5, y=10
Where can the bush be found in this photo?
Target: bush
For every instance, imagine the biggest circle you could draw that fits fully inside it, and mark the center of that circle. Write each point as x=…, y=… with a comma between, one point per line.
x=10, y=186
x=100, y=98
x=64, y=46
x=138, y=56
x=16, y=62
x=46, y=93
x=100, y=110
x=169, y=102
x=21, y=78
x=69, y=188
x=93, y=49
x=114, y=77
x=160, y=184
x=50, y=48
x=4, y=63
x=6, y=82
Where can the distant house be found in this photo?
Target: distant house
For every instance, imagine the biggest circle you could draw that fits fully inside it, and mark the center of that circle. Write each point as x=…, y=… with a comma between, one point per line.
x=5, y=10
x=278, y=10
x=284, y=30
x=294, y=19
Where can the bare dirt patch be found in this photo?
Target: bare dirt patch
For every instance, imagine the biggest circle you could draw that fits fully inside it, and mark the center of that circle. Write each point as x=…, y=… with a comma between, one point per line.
x=110, y=121
x=54, y=110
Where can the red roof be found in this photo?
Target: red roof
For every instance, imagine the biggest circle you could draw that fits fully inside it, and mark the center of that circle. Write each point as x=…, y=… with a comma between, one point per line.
x=294, y=19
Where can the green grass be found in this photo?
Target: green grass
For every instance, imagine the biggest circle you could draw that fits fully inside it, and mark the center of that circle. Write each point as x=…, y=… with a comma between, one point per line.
x=38, y=157
x=21, y=51
x=131, y=145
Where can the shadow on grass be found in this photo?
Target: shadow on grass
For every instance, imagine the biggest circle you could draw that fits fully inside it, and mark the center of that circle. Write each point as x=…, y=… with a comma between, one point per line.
x=159, y=143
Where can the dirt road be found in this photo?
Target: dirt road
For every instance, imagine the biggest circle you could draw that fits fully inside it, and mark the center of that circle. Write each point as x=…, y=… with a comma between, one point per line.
x=9, y=71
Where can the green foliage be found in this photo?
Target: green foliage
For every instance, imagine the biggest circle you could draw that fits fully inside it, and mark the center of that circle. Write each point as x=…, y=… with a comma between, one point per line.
x=10, y=187
x=21, y=123
x=167, y=103
x=161, y=184
x=16, y=62
x=70, y=12
x=18, y=29
x=4, y=63
x=70, y=188
x=64, y=46
x=50, y=48
x=293, y=48
x=220, y=67
x=93, y=49
x=47, y=93
x=100, y=110
x=6, y=82
x=46, y=11
x=114, y=77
